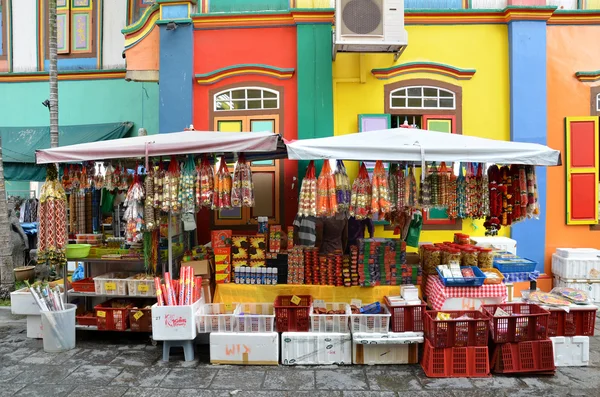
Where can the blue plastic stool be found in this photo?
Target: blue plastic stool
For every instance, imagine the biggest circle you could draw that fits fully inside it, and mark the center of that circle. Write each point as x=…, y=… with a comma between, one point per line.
x=187, y=345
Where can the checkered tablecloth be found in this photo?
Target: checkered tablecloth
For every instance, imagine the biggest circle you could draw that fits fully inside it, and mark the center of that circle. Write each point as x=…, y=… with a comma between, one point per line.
x=437, y=294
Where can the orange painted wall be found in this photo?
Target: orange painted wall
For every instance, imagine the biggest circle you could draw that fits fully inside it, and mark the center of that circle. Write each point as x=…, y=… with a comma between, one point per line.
x=570, y=49
x=145, y=54
x=219, y=48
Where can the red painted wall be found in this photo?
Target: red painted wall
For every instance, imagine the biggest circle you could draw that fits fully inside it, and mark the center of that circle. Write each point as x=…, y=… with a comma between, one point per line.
x=219, y=48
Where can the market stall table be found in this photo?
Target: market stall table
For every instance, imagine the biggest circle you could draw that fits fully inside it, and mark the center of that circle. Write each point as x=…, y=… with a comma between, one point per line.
x=440, y=297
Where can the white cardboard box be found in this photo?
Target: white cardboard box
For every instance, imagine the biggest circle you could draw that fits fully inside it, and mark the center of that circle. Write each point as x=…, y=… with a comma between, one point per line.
x=576, y=268
x=316, y=348
x=497, y=243
x=571, y=351
x=244, y=348
x=175, y=322
x=22, y=302
x=390, y=348
x=34, y=327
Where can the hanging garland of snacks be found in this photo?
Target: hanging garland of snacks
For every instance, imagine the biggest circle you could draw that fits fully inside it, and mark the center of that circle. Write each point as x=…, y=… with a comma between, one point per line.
x=452, y=196
x=435, y=186
x=362, y=191
x=461, y=194
x=380, y=200
x=52, y=235
x=342, y=187
x=484, y=192
x=205, y=183
x=123, y=182
x=109, y=177
x=401, y=181
x=170, y=201
x=223, y=183
x=98, y=178
x=134, y=212
x=242, y=193
x=493, y=221
x=326, y=194
x=507, y=197
x=187, y=185
x=444, y=185
x=411, y=197
x=533, y=208
x=159, y=180
x=393, y=187
x=149, y=215
x=425, y=190
x=307, y=204
x=516, y=193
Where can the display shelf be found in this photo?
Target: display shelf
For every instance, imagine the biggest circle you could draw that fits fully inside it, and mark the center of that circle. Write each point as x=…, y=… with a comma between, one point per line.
x=93, y=294
x=121, y=261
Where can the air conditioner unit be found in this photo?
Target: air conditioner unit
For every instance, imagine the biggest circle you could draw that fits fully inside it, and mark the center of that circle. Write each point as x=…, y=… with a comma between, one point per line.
x=369, y=26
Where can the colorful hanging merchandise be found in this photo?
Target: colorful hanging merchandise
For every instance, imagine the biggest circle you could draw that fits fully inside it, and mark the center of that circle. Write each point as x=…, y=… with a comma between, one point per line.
x=461, y=194
x=343, y=189
x=134, y=212
x=52, y=235
x=326, y=195
x=533, y=205
x=451, y=195
x=151, y=244
x=483, y=192
x=505, y=187
x=109, y=177
x=362, y=194
x=242, y=192
x=393, y=187
x=170, y=201
x=223, y=184
x=307, y=204
x=493, y=221
x=516, y=192
x=205, y=183
x=159, y=182
x=411, y=199
x=187, y=187
x=149, y=212
x=380, y=199
x=425, y=192
x=123, y=182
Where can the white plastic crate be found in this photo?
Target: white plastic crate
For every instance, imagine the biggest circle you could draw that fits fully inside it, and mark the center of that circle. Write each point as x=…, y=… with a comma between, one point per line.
x=23, y=303
x=330, y=322
x=576, y=267
x=316, y=348
x=244, y=348
x=175, y=322
x=571, y=351
x=577, y=253
x=379, y=323
x=497, y=243
x=141, y=287
x=111, y=284
x=254, y=317
x=216, y=317
x=591, y=287
x=390, y=348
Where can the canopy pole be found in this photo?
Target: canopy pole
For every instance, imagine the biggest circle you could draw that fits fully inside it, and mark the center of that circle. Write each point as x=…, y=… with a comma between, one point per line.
x=170, y=246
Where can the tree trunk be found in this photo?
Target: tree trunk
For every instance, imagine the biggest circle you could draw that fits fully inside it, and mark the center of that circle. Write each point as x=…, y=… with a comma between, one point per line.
x=7, y=277
x=53, y=75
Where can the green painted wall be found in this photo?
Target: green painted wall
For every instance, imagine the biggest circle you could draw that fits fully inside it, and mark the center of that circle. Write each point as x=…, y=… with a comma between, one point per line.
x=315, y=84
x=81, y=102
x=248, y=5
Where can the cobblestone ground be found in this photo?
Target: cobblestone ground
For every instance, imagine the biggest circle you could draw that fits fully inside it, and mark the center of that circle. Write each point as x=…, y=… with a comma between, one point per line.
x=125, y=364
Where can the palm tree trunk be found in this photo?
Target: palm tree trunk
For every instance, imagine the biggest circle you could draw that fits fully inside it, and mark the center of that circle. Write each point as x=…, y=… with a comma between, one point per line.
x=53, y=75
x=7, y=278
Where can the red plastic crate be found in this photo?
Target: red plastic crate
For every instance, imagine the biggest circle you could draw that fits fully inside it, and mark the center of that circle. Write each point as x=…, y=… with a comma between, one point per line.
x=111, y=319
x=84, y=285
x=406, y=318
x=523, y=357
x=456, y=362
x=574, y=323
x=86, y=320
x=290, y=317
x=525, y=322
x=457, y=333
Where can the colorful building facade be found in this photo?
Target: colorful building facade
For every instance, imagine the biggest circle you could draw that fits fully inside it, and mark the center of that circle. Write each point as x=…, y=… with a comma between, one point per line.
x=502, y=69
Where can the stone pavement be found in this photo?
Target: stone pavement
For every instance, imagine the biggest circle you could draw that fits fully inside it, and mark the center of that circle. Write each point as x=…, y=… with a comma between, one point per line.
x=126, y=364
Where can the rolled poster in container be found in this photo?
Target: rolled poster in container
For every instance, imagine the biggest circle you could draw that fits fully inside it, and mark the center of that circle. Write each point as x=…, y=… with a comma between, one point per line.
x=159, y=294
x=181, y=292
x=188, y=287
x=198, y=286
x=170, y=293
x=166, y=295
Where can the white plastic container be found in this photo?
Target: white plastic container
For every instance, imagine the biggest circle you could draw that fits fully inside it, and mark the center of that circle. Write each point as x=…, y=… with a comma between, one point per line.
x=591, y=287
x=22, y=302
x=585, y=268
x=216, y=317
x=58, y=329
x=330, y=322
x=112, y=284
x=315, y=348
x=571, y=351
x=175, y=322
x=577, y=253
x=390, y=348
x=141, y=287
x=244, y=348
x=379, y=323
x=497, y=243
x=254, y=317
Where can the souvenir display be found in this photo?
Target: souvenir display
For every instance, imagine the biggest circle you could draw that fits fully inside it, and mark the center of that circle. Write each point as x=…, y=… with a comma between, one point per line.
x=307, y=202
x=380, y=198
x=134, y=212
x=170, y=201
x=343, y=188
x=326, y=192
x=410, y=190
x=205, y=180
x=109, y=177
x=574, y=295
x=242, y=192
x=52, y=233
x=223, y=184
x=187, y=186
x=533, y=208
x=360, y=206
x=149, y=213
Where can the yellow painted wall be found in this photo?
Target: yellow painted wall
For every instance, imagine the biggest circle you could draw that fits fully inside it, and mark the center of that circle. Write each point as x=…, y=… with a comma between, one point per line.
x=485, y=97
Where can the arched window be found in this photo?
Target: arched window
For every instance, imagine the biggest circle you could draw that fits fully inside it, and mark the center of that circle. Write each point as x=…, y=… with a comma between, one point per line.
x=422, y=97
x=247, y=98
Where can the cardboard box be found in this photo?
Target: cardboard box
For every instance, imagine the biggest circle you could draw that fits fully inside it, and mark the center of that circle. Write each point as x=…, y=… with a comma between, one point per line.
x=175, y=322
x=242, y=348
x=388, y=348
x=275, y=238
x=201, y=268
x=221, y=238
x=412, y=258
x=571, y=351
x=316, y=348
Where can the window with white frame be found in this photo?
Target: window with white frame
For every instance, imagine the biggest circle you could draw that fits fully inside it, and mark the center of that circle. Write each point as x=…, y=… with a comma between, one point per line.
x=248, y=98
x=422, y=98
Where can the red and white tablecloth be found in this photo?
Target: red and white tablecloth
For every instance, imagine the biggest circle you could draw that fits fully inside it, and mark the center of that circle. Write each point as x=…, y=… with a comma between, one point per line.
x=437, y=293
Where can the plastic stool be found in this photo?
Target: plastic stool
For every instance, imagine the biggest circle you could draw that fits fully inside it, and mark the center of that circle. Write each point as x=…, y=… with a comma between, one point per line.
x=187, y=345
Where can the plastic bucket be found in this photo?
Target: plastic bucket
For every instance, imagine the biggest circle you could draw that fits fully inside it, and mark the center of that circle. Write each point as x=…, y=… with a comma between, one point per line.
x=58, y=329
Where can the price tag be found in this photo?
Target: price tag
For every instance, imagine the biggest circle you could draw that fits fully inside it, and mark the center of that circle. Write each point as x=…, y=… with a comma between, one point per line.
x=143, y=288
x=318, y=303
x=356, y=302
x=137, y=315
x=101, y=313
x=228, y=307
x=296, y=300
x=110, y=286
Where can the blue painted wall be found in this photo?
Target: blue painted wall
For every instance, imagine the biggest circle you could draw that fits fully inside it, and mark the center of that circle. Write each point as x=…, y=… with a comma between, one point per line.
x=74, y=64
x=527, y=58
x=176, y=78
x=174, y=12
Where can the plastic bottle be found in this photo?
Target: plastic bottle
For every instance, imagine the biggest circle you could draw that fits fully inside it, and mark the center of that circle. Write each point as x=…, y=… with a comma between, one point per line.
x=244, y=275
x=238, y=270
x=253, y=275
x=269, y=276
x=263, y=276
x=274, y=279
